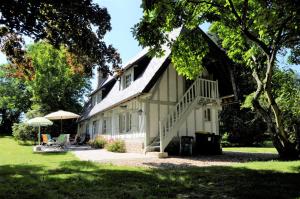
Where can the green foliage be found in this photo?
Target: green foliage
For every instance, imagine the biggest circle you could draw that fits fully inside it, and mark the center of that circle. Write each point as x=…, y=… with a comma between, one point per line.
x=98, y=143
x=225, y=140
x=14, y=99
x=78, y=25
x=187, y=54
x=57, y=83
x=252, y=33
x=23, y=132
x=241, y=127
x=286, y=85
x=35, y=111
x=116, y=146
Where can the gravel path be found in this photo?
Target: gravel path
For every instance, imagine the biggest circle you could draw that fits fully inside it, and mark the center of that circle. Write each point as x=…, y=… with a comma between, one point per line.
x=140, y=160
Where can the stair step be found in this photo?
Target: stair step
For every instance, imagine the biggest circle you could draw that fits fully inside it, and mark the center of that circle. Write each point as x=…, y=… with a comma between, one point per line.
x=156, y=143
x=154, y=154
x=153, y=148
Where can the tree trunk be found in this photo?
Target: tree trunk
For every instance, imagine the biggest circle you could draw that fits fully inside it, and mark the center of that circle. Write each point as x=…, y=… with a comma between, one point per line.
x=286, y=149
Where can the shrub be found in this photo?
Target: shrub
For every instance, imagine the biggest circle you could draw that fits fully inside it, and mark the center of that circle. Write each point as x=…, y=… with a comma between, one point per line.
x=98, y=143
x=116, y=146
x=23, y=133
x=224, y=141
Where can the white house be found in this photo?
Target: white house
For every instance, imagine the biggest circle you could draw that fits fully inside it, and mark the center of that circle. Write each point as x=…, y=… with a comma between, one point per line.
x=150, y=104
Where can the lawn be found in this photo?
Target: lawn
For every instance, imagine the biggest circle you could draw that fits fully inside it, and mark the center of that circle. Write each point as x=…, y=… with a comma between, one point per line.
x=251, y=149
x=27, y=175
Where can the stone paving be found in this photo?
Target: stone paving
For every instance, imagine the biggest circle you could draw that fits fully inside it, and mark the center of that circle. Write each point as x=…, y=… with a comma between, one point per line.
x=141, y=160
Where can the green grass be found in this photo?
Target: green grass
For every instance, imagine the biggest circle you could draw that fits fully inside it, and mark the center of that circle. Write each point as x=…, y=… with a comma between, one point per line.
x=27, y=175
x=251, y=149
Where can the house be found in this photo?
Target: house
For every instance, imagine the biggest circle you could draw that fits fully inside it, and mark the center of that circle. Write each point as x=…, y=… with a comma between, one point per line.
x=150, y=103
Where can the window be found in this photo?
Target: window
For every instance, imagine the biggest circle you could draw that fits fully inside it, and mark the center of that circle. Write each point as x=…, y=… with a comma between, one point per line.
x=94, y=131
x=128, y=122
x=122, y=123
x=207, y=114
x=104, y=126
x=125, y=122
x=99, y=97
x=93, y=100
x=127, y=80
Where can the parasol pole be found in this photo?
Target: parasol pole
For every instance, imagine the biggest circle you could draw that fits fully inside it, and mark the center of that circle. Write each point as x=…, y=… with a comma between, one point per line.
x=60, y=125
x=39, y=137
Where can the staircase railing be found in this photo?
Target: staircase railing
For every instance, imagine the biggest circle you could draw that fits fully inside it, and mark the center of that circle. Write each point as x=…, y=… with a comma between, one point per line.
x=200, y=89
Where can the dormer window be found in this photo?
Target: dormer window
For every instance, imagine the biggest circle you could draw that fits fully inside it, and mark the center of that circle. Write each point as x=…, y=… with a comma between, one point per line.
x=99, y=97
x=93, y=100
x=128, y=80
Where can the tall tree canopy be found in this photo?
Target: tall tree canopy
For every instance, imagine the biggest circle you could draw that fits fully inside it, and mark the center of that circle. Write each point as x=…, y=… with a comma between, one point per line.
x=79, y=25
x=253, y=33
x=14, y=99
x=57, y=83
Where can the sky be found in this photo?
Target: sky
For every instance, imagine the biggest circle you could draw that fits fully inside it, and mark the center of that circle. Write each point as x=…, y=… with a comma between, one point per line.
x=124, y=15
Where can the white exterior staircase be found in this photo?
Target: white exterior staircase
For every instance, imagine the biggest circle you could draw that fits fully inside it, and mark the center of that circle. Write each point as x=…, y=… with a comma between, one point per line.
x=201, y=91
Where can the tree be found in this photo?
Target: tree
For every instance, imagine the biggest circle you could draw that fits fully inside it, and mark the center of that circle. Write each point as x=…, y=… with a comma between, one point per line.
x=242, y=126
x=253, y=33
x=286, y=88
x=57, y=82
x=79, y=25
x=14, y=100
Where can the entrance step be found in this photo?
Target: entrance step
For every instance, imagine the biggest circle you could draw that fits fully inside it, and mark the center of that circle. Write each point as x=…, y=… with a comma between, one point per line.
x=157, y=154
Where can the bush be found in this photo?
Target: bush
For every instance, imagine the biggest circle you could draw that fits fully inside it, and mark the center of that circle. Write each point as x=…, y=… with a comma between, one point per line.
x=116, y=146
x=225, y=140
x=23, y=133
x=98, y=143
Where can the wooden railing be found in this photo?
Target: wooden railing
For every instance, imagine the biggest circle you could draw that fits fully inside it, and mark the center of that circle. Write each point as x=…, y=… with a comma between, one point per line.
x=200, y=89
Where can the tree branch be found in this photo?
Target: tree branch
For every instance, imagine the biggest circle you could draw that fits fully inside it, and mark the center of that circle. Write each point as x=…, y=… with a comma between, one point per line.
x=248, y=34
x=206, y=2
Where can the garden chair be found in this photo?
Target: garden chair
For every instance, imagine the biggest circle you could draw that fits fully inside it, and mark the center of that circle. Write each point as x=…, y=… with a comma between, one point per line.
x=47, y=140
x=62, y=140
x=44, y=139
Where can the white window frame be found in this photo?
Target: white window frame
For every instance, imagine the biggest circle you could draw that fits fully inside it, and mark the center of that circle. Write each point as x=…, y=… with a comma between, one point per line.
x=128, y=119
x=125, y=122
x=127, y=80
x=104, y=126
x=94, y=100
x=207, y=114
x=99, y=96
x=94, y=129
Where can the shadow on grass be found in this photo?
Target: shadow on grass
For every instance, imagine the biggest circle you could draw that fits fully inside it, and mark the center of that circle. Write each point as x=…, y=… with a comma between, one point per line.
x=77, y=179
x=54, y=153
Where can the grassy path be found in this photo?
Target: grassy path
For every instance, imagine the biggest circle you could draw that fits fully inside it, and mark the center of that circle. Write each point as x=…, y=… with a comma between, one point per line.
x=27, y=175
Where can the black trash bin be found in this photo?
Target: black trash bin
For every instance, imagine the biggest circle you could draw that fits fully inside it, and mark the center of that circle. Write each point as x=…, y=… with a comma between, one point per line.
x=186, y=145
x=208, y=144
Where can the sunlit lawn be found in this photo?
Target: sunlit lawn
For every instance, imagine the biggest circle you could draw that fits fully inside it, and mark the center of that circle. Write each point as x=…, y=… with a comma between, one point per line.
x=27, y=175
x=251, y=149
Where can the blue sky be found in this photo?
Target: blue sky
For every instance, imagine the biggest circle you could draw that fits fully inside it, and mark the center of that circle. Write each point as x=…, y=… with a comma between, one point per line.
x=124, y=14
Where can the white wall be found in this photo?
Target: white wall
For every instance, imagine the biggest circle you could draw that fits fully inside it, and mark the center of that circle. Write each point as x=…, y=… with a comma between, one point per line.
x=138, y=125
x=170, y=88
x=154, y=108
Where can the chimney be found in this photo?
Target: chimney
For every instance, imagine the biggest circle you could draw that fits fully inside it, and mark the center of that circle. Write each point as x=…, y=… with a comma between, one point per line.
x=102, y=77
